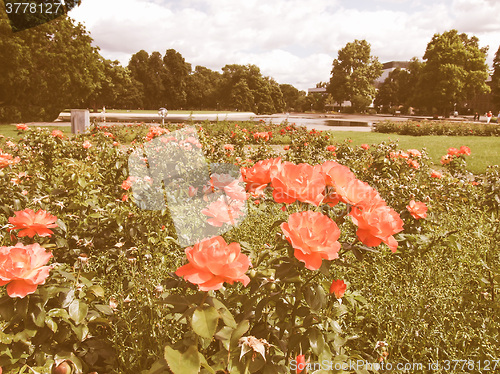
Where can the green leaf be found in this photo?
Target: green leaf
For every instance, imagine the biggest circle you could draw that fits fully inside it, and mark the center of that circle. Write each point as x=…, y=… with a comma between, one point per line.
x=97, y=290
x=104, y=309
x=242, y=328
x=205, y=364
x=316, y=341
x=78, y=311
x=60, y=313
x=62, y=225
x=159, y=367
x=186, y=363
x=225, y=314
x=82, y=182
x=224, y=335
x=204, y=321
x=68, y=299
x=38, y=316
x=51, y=324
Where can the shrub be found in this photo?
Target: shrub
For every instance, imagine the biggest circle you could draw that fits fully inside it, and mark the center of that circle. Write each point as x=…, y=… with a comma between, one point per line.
x=437, y=128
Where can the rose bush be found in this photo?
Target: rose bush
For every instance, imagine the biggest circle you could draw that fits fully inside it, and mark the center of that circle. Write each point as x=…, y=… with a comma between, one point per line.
x=116, y=305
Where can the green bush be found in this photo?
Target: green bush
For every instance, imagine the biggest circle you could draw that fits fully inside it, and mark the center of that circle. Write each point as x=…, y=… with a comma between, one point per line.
x=437, y=298
x=438, y=128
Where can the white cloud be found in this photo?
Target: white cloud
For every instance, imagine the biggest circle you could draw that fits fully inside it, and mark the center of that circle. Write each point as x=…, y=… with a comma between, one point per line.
x=294, y=41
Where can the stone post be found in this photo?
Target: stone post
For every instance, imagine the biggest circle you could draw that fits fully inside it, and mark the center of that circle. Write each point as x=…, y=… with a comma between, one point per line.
x=80, y=120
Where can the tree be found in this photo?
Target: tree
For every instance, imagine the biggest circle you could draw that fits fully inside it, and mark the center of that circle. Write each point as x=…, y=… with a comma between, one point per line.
x=117, y=88
x=455, y=71
x=354, y=73
x=291, y=96
x=45, y=69
x=175, y=80
x=495, y=79
x=150, y=71
x=395, y=90
x=201, y=88
x=139, y=70
x=244, y=88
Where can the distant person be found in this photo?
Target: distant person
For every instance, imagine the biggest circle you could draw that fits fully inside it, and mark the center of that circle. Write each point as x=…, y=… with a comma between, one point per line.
x=476, y=116
x=498, y=117
x=488, y=116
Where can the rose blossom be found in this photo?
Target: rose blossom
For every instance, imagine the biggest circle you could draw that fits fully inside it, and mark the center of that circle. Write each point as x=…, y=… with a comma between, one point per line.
x=86, y=144
x=5, y=160
x=376, y=224
x=192, y=191
x=32, y=223
x=301, y=182
x=22, y=268
x=22, y=126
x=57, y=134
x=221, y=212
x=235, y=191
x=127, y=183
x=446, y=159
x=453, y=151
x=313, y=236
x=417, y=209
x=414, y=153
x=301, y=364
x=414, y=164
x=365, y=146
x=259, y=176
x=338, y=288
x=436, y=174
x=331, y=148
x=464, y=150
x=213, y=262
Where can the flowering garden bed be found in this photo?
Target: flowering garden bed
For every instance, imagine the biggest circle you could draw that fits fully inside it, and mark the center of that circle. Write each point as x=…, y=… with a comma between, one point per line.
x=207, y=249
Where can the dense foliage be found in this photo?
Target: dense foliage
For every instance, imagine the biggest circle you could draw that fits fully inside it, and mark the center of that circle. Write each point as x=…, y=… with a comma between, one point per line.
x=29, y=89
x=416, y=128
x=452, y=75
x=123, y=296
x=353, y=75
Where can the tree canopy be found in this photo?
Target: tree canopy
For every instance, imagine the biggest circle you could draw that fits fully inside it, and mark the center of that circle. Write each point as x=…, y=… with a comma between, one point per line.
x=454, y=70
x=495, y=79
x=45, y=69
x=354, y=72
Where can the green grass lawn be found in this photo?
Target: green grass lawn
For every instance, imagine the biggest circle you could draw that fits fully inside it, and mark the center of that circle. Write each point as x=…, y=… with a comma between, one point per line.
x=11, y=131
x=485, y=151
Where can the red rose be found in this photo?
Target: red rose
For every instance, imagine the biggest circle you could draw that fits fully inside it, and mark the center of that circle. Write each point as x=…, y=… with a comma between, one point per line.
x=259, y=176
x=338, y=288
x=32, y=223
x=417, y=209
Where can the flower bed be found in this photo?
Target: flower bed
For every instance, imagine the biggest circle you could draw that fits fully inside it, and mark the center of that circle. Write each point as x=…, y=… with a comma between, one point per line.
x=188, y=252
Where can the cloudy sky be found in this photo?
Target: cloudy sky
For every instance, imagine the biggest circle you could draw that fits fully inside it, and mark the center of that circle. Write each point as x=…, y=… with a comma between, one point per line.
x=293, y=41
